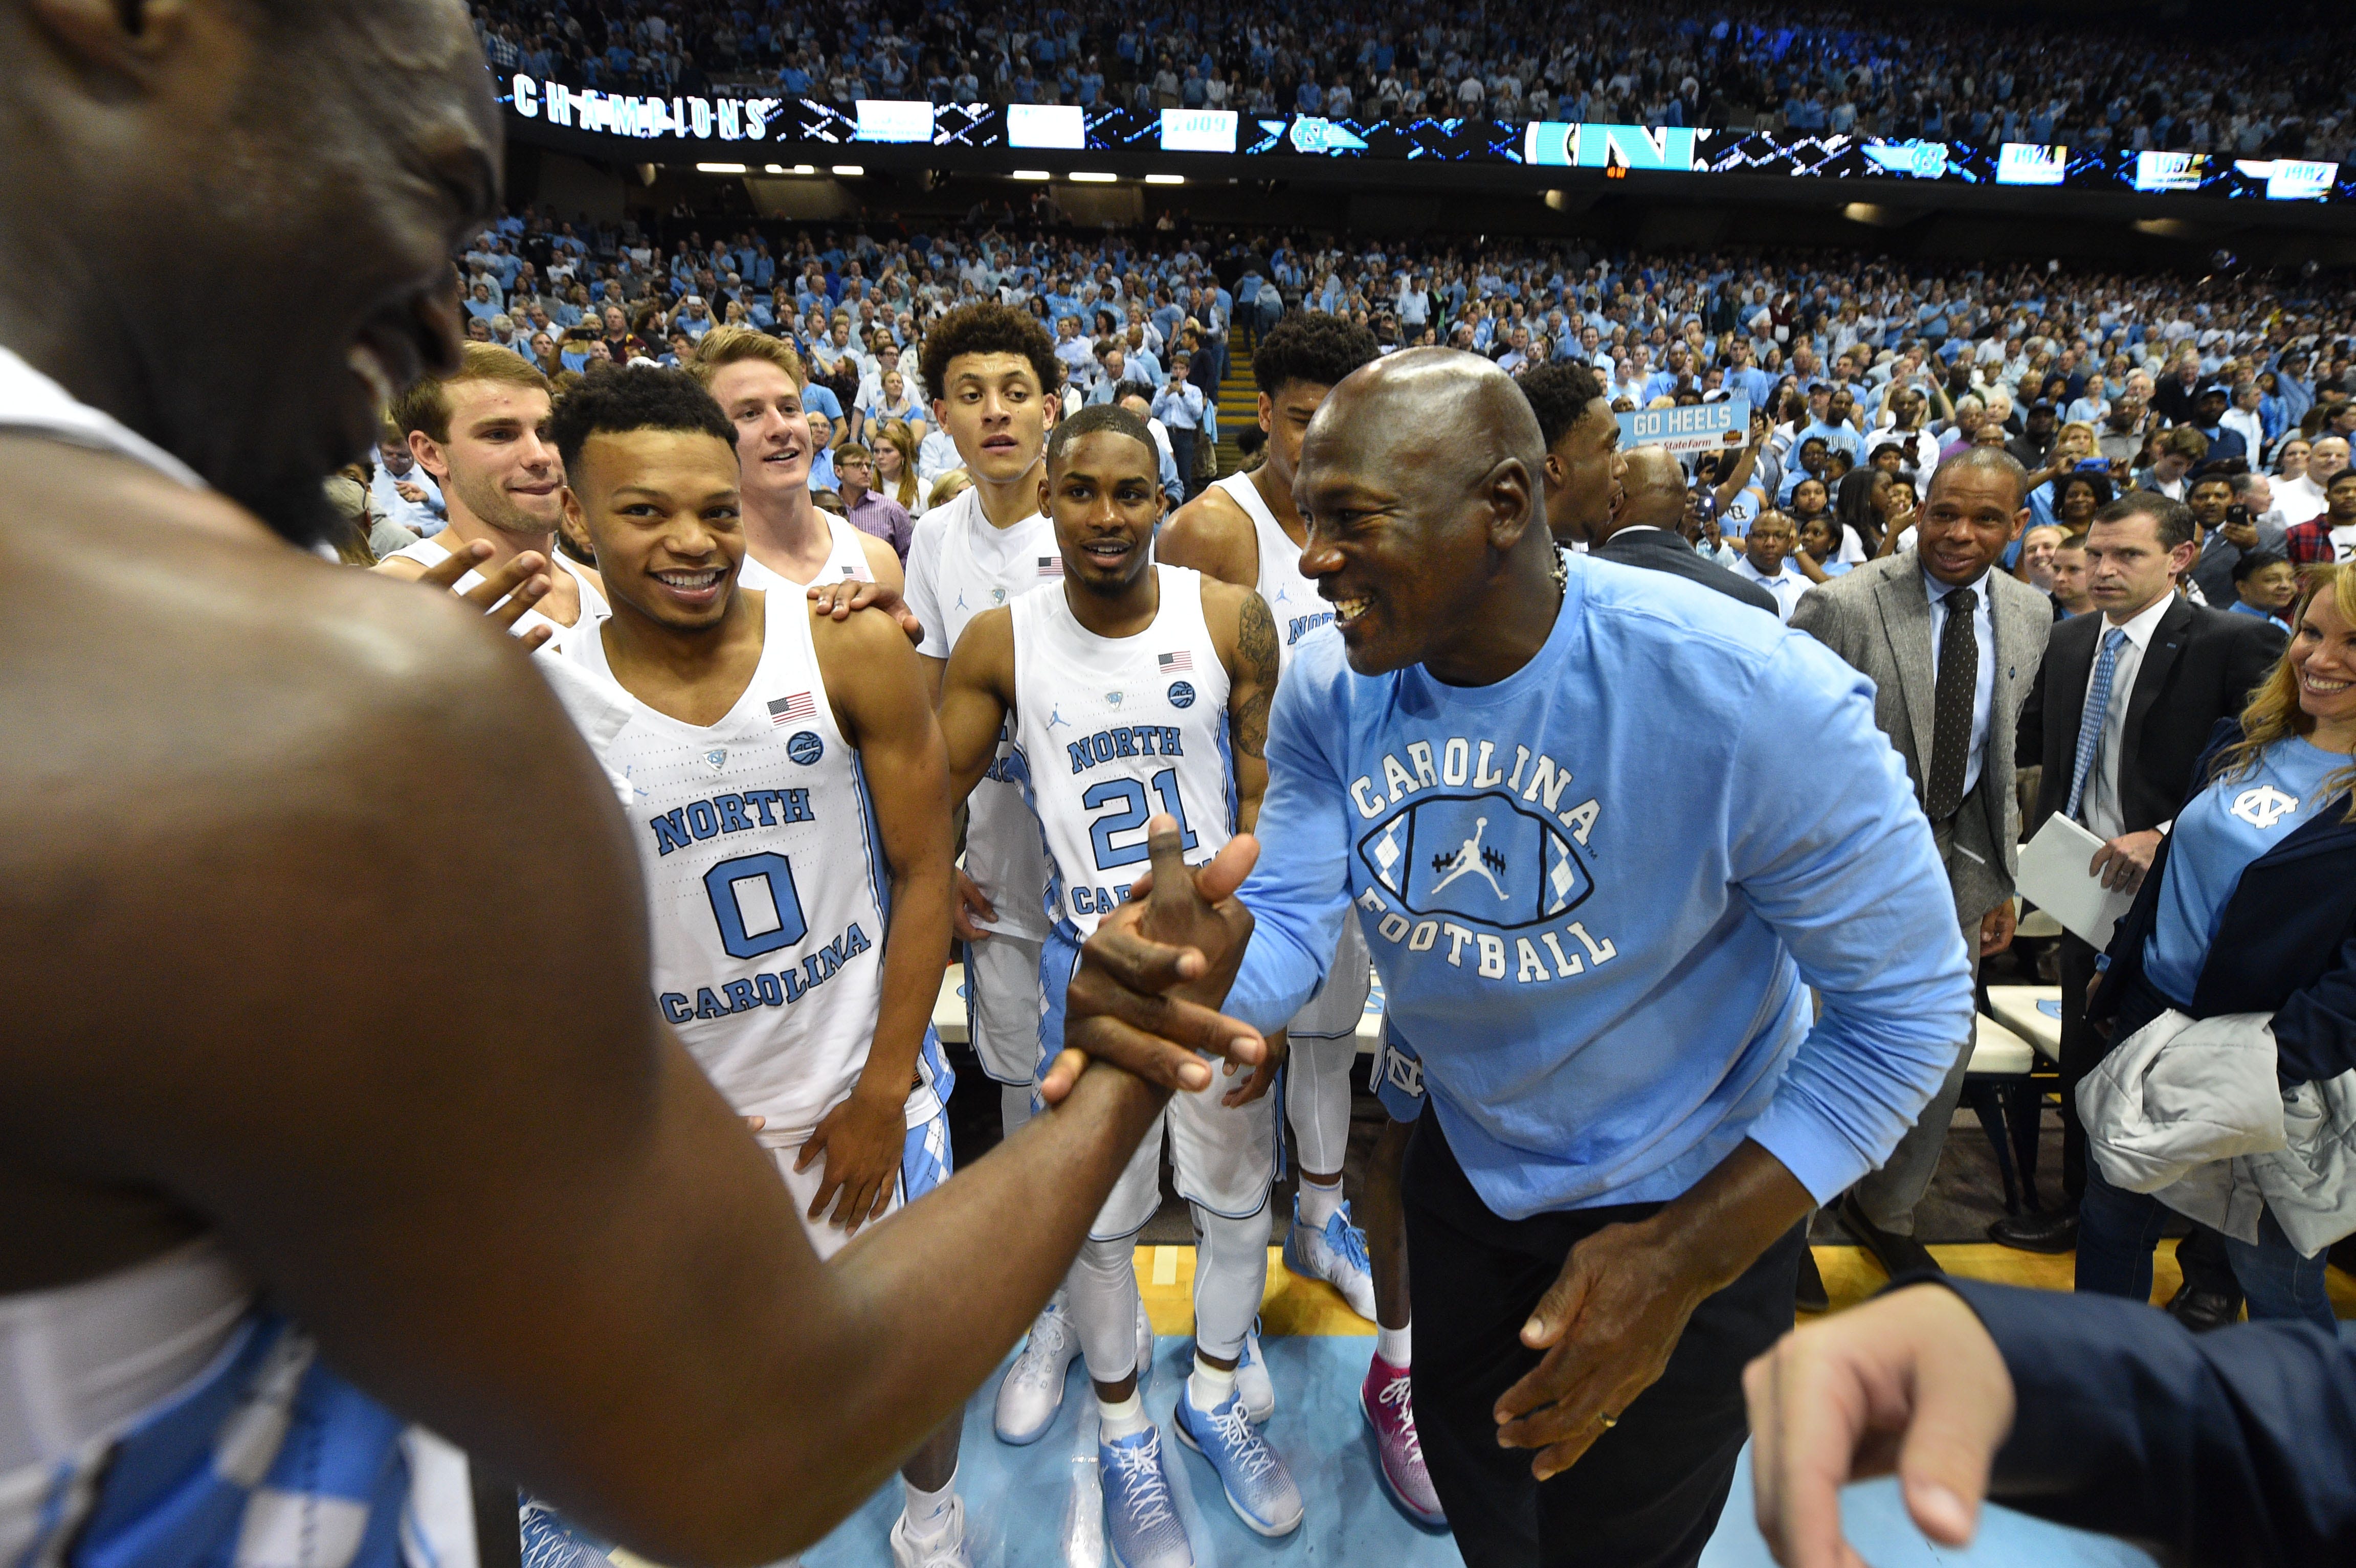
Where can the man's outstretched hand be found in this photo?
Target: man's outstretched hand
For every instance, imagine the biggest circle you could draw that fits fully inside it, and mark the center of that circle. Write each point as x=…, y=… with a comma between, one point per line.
x=1911, y=1383
x=1147, y=992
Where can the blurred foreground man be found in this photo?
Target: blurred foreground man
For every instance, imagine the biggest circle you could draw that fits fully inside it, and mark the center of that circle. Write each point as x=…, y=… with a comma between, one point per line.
x=473, y=1169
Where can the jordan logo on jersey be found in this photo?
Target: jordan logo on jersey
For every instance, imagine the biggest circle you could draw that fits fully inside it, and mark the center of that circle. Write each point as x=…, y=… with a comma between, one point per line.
x=1483, y=857
x=1457, y=843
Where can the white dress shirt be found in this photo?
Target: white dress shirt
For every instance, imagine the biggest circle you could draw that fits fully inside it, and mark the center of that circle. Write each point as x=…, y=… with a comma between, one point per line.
x=2099, y=808
x=1984, y=688
x=1786, y=585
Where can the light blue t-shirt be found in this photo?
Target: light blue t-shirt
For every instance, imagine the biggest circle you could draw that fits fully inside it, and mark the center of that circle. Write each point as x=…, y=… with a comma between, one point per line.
x=1599, y=889
x=2228, y=824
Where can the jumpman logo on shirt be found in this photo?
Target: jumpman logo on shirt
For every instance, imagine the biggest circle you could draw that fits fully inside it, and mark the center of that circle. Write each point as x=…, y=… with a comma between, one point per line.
x=1471, y=857
x=1056, y=717
x=960, y=603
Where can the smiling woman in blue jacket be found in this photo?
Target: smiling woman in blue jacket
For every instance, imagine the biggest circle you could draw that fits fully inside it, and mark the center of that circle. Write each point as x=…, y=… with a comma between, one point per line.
x=2251, y=908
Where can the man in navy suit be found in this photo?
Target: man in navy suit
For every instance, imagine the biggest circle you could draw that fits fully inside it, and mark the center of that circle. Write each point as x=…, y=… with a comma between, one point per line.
x=2237, y=1446
x=2157, y=672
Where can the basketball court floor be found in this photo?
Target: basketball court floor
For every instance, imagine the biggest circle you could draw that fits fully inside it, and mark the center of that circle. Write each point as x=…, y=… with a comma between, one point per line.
x=1038, y=1507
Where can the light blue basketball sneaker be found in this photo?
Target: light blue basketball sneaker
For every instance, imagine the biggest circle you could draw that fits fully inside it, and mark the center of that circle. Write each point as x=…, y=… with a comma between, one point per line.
x=1258, y=1488
x=1141, y=1527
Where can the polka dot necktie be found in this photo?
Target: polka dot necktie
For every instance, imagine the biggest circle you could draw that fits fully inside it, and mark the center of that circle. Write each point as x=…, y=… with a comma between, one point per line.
x=1951, y=726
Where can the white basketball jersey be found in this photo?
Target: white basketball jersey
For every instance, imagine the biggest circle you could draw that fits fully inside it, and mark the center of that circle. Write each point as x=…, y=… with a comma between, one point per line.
x=430, y=553
x=976, y=567
x=1112, y=732
x=845, y=562
x=1291, y=598
x=764, y=877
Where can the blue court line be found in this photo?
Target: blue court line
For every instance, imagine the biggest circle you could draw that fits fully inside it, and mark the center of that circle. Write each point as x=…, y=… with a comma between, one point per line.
x=1036, y=1507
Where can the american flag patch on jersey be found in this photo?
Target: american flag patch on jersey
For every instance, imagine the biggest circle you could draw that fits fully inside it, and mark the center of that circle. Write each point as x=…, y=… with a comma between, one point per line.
x=1183, y=659
x=1051, y=566
x=792, y=710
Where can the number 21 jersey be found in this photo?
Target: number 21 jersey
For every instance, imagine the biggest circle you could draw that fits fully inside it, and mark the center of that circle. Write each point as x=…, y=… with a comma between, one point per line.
x=1114, y=730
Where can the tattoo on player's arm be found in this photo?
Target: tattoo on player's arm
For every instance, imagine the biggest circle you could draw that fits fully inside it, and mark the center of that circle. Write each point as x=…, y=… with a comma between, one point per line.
x=1255, y=653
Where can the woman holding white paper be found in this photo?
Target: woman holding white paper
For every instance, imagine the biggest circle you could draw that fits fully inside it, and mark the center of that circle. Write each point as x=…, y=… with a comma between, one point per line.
x=2251, y=908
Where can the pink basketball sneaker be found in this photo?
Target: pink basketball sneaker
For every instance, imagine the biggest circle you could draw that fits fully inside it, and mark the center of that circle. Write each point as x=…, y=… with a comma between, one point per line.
x=1390, y=1412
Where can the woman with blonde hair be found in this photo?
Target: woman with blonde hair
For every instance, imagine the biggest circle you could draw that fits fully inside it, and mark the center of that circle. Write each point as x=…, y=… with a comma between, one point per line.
x=947, y=488
x=895, y=464
x=2250, y=907
x=2073, y=443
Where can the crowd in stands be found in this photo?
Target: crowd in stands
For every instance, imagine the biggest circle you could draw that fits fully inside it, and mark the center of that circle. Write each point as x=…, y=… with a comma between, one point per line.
x=2269, y=84
x=2153, y=380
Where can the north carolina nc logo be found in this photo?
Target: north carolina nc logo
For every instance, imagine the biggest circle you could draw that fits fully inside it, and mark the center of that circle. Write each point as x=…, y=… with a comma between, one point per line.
x=1482, y=856
x=2264, y=806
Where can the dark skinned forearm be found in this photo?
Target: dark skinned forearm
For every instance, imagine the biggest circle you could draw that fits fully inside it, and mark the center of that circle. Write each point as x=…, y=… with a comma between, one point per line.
x=1730, y=1217
x=899, y=1375
x=915, y=952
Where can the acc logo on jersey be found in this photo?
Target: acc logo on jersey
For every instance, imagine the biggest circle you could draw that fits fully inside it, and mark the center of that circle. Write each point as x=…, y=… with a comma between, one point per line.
x=1182, y=694
x=1482, y=856
x=805, y=747
x=2264, y=806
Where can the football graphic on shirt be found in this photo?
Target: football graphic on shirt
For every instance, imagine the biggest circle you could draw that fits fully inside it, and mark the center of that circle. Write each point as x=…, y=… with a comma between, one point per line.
x=1485, y=857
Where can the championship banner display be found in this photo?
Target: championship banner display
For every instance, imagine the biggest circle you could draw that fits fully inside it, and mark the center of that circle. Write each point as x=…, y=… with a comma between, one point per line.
x=701, y=127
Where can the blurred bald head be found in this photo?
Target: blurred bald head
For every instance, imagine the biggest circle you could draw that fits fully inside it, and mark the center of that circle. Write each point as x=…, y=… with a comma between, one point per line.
x=1653, y=494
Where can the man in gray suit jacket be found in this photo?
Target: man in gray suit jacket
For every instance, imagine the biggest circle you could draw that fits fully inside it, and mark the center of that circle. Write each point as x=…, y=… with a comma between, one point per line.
x=1953, y=647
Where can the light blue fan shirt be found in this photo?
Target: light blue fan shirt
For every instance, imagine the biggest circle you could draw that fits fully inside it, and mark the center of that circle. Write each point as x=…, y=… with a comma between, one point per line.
x=1598, y=890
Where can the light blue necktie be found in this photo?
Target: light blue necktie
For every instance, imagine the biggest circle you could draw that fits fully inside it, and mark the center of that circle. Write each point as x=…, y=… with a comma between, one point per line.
x=2090, y=722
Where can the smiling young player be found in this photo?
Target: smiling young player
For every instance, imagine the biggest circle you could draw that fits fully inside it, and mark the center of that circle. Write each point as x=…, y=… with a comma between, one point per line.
x=482, y=435
x=757, y=381
x=1133, y=690
x=785, y=781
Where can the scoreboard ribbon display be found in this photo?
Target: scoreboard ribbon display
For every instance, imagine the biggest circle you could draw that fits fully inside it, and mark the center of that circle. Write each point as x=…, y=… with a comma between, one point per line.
x=742, y=127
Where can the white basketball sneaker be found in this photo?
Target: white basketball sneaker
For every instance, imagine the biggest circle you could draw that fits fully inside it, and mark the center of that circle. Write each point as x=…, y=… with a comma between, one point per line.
x=1337, y=1255
x=1032, y=1390
x=945, y=1550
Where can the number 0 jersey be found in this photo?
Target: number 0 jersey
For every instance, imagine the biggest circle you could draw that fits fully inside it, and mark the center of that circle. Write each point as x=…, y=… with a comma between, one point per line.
x=1112, y=730
x=765, y=881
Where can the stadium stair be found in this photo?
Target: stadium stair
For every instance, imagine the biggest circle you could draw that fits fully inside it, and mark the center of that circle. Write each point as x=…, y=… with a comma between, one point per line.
x=1238, y=398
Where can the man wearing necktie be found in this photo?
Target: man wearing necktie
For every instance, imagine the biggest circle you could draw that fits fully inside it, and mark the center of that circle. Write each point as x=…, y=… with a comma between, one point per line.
x=2121, y=711
x=1953, y=648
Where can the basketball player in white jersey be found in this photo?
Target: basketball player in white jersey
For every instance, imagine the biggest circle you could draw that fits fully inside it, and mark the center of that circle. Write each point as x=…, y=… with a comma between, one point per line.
x=782, y=771
x=994, y=374
x=789, y=542
x=1245, y=529
x=482, y=434
x=1135, y=692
